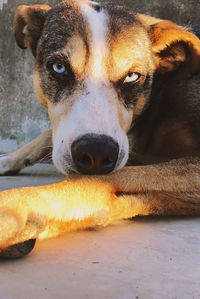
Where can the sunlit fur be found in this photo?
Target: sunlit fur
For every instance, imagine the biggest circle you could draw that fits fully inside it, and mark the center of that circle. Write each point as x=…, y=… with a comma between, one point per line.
x=78, y=207
x=78, y=203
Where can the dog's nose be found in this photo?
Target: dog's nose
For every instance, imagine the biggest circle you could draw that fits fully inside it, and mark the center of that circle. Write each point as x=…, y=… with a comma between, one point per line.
x=95, y=154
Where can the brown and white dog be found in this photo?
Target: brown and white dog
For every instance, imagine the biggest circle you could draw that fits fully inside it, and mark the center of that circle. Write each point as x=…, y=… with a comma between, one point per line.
x=121, y=89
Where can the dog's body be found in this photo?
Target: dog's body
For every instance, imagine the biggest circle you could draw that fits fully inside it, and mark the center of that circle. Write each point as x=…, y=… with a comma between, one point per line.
x=121, y=89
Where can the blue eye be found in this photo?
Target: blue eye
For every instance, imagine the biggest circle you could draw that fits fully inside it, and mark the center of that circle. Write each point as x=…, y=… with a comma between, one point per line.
x=59, y=68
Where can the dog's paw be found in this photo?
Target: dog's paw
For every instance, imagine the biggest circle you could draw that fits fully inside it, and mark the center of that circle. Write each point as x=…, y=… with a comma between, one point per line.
x=3, y=164
x=9, y=226
x=7, y=167
x=18, y=250
x=18, y=233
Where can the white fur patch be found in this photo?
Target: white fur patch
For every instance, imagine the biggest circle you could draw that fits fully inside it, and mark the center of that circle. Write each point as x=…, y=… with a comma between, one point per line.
x=98, y=50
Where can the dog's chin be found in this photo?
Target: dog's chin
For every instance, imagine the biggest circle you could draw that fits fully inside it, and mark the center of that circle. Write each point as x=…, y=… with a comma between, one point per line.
x=64, y=165
x=122, y=160
x=67, y=168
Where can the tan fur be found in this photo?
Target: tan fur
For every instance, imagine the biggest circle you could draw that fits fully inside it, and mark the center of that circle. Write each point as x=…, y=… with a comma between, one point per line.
x=163, y=36
x=25, y=15
x=78, y=54
x=125, y=46
x=83, y=202
x=148, y=20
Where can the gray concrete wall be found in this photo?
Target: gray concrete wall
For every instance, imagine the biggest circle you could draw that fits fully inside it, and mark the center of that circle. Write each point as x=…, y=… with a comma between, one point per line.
x=21, y=117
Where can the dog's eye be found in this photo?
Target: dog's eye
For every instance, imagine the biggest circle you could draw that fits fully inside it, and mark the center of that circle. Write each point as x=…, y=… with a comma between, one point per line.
x=59, y=68
x=131, y=78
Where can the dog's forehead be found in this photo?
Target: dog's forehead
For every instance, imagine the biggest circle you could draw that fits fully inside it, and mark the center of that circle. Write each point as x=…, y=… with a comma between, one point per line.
x=63, y=21
x=71, y=18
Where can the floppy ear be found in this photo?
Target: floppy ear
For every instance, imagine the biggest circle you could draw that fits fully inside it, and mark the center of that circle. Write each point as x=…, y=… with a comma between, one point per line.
x=172, y=45
x=28, y=24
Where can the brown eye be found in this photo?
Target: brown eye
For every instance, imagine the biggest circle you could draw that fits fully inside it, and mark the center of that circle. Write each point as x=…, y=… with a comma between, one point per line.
x=132, y=78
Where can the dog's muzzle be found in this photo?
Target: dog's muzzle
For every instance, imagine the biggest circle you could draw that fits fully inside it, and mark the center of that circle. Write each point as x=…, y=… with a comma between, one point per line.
x=95, y=154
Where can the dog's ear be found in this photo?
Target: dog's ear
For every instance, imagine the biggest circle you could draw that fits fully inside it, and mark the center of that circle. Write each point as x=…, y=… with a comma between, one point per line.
x=172, y=45
x=28, y=24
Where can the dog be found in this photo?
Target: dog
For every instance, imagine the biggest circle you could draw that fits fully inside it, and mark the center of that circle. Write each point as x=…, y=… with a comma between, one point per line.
x=122, y=93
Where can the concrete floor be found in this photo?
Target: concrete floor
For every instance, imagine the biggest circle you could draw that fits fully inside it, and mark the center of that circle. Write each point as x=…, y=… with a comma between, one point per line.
x=145, y=258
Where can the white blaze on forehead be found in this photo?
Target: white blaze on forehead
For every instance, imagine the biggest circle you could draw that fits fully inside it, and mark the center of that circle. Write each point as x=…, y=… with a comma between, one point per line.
x=97, y=43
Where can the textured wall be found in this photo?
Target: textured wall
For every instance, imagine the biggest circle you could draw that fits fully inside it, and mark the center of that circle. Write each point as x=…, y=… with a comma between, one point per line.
x=21, y=117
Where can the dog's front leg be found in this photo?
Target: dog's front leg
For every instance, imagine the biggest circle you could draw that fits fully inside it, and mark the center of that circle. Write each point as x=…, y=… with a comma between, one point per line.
x=81, y=202
x=52, y=210
x=166, y=189
x=46, y=211
x=27, y=155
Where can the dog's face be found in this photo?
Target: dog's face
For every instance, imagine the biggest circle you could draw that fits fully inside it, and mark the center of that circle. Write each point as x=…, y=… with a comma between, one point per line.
x=93, y=72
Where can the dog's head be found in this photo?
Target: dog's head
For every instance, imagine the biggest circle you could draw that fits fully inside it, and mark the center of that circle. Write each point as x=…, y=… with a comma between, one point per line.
x=93, y=71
